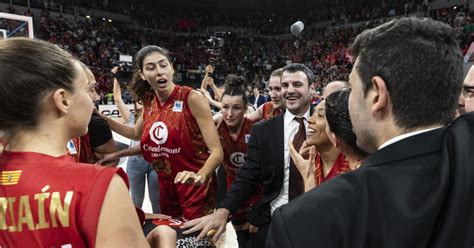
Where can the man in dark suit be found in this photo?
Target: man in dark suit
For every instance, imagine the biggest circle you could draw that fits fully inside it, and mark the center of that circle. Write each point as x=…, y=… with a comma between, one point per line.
x=258, y=98
x=268, y=162
x=400, y=107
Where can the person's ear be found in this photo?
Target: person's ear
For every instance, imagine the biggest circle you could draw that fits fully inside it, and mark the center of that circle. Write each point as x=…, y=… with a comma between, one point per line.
x=62, y=102
x=380, y=97
x=333, y=138
x=142, y=75
x=336, y=140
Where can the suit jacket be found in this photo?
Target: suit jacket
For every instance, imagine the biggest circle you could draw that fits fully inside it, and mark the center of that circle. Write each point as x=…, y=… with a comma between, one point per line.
x=264, y=166
x=393, y=200
x=260, y=100
x=455, y=223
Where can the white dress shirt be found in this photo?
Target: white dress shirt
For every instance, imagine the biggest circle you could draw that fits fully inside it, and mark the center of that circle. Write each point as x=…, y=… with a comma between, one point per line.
x=404, y=136
x=290, y=127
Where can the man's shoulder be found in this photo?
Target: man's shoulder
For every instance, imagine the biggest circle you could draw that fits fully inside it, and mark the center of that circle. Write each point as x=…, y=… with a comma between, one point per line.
x=277, y=120
x=335, y=195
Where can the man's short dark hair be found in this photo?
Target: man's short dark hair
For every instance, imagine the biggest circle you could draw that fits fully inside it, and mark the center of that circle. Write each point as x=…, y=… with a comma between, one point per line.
x=295, y=67
x=421, y=63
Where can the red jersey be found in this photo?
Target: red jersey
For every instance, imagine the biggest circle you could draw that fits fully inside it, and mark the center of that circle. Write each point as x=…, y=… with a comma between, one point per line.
x=268, y=111
x=81, y=150
x=235, y=152
x=50, y=202
x=171, y=140
x=340, y=166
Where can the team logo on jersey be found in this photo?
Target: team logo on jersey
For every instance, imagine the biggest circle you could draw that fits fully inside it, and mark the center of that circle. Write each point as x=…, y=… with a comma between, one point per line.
x=159, y=133
x=237, y=159
x=178, y=106
x=71, y=147
x=247, y=138
x=10, y=177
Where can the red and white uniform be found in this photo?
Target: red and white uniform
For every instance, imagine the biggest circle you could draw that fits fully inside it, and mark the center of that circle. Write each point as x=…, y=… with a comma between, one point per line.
x=235, y=153
x=268, y=111
x=50, y=201
x=340, y=166
x=172, y=142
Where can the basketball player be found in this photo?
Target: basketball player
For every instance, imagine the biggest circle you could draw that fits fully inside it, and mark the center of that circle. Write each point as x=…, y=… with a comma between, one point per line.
x=178, y=137
x=234, y=134
x=47, y=199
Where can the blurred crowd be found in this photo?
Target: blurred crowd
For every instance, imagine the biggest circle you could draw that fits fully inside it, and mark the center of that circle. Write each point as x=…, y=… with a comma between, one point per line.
x=99, y=43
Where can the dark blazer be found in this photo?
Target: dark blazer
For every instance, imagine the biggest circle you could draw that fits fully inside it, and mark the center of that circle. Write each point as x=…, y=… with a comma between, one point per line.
x=261, y=100
x=393, y=200
x=264, y=166
x=455, y=224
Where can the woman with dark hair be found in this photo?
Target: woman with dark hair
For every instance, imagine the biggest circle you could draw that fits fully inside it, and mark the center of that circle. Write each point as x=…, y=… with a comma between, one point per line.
x=325, y=160
x=234, y=134
x=177, y=136
x=339, y=128
x=47, y=199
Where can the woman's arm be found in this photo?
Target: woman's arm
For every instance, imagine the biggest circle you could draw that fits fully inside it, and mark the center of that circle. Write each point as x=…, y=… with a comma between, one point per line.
x=118, y=224
x=202, y=113
x=256, y=115
x=127, y=131
x=210, y=82
x=210, y=100
x=115, y=156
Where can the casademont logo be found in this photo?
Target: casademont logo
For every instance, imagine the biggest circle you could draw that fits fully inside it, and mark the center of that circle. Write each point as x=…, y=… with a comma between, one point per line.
x=237, y=159
x=159, y=133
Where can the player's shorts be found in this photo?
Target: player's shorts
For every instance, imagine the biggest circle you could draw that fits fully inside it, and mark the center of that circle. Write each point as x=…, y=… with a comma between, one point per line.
x=187, y=201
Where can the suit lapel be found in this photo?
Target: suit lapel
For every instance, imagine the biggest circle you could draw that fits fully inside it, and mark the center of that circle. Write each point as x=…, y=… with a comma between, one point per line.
x=278, y=140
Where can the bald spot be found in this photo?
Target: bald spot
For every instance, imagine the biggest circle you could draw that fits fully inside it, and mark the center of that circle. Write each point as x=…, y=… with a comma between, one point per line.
x=469, y=80
x=333, y=87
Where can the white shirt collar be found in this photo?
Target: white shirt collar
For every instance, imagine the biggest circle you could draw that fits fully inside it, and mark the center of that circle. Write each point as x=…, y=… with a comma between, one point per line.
x=404, y=136
x=289, y=116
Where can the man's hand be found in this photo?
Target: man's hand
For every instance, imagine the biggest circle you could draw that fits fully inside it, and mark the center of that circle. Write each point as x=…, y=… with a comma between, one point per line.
x=190, y=177
x=215, y=221
x=156, y=216
x=306, y=167
x=114, y=70
x=104, y=158
x=253, y=229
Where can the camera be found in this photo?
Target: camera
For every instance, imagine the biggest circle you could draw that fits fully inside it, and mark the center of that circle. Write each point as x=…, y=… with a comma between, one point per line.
x=124, y=73
x=213, y=42
x=213, y=45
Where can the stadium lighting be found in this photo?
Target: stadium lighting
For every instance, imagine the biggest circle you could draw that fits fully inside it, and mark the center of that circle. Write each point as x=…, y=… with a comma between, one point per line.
x=88, y=16
x=110, y=20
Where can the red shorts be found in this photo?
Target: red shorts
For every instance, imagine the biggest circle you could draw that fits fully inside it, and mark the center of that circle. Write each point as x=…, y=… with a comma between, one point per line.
x=187, y=201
